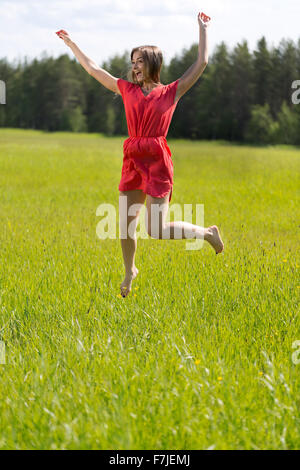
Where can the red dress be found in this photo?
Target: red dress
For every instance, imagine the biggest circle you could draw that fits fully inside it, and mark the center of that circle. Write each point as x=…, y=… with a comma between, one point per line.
x=147, y=162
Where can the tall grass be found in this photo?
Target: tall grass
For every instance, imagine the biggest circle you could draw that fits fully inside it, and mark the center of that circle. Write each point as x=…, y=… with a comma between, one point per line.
x=199, y=355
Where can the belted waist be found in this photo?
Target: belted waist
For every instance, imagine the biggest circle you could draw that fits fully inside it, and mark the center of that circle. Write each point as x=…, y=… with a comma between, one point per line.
x=150, y=146
x=146, y=136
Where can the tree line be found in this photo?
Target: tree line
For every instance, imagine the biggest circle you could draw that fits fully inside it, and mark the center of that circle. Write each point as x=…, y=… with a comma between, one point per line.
x=241, y=96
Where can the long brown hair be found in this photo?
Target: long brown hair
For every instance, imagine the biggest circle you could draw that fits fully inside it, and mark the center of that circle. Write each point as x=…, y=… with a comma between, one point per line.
x=153, y=59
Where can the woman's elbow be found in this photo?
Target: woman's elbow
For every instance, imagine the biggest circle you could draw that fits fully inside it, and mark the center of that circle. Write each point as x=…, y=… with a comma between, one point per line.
x=202, y=62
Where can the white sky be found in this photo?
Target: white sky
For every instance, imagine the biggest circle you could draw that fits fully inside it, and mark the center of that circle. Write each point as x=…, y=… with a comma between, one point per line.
x=103, y=28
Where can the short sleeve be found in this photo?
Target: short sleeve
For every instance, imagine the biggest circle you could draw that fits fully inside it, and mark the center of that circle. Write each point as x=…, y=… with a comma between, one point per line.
x=172, y=88
x=123, y=86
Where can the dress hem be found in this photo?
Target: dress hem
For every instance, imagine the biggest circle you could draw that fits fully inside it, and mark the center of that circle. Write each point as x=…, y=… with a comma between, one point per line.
x=160, y=196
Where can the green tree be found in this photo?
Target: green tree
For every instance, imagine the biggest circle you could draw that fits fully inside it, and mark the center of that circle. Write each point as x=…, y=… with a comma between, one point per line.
x=242, y=95
x=288, y=121
x=260, y=129
x=185, y=125
x=262, y=65
x=110, y=120
x=214, y=113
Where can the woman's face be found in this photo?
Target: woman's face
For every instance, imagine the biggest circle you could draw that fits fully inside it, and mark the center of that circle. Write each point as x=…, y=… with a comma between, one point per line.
x=137, y=66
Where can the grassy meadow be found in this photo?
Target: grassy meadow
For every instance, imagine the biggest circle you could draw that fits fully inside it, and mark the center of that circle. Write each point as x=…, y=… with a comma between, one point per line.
x=200, y=354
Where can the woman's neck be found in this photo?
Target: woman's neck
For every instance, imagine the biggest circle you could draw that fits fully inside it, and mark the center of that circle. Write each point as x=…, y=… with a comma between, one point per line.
x=149, y=86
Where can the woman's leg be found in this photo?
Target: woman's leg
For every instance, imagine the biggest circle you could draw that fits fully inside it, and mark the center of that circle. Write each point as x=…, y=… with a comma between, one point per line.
x=130, y=202
x=157, y=227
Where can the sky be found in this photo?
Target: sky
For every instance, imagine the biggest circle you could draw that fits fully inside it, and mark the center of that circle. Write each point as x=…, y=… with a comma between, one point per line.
x=105, y=28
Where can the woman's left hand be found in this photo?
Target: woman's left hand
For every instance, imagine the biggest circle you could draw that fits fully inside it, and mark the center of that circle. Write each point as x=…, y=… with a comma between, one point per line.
x=203, y=19
x=62, y=34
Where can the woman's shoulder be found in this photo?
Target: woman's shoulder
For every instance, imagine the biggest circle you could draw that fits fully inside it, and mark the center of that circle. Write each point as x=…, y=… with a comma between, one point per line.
x=170, y=86
x=169, y=91
x=124, y=82
x=125, y=85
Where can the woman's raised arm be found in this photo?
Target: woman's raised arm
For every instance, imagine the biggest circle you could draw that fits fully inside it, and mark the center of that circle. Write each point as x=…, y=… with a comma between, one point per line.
x=195, y=71
x=105, y=78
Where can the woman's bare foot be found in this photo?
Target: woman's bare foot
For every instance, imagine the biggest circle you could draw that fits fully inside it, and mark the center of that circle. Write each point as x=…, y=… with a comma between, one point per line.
x=213, y=237
x=126, y=284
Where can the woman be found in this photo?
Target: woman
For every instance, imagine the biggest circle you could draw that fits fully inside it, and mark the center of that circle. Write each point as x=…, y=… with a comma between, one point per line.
x=147, y=171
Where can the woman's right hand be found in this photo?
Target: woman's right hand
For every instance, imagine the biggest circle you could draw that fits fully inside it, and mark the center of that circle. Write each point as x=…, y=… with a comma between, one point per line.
x=64, y=35
x=203, y=20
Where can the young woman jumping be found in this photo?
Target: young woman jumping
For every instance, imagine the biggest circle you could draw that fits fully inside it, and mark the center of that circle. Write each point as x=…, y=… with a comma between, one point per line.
x=147, y=171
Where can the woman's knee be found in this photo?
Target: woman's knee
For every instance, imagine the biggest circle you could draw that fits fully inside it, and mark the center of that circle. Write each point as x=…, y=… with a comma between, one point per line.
x=155, y=219
x=154, y=226
x=129, y=212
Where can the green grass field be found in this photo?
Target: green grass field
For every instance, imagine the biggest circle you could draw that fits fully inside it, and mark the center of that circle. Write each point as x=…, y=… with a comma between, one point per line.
x=200, y=354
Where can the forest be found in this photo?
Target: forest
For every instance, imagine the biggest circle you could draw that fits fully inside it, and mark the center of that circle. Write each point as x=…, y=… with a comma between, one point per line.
x=242, y=96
